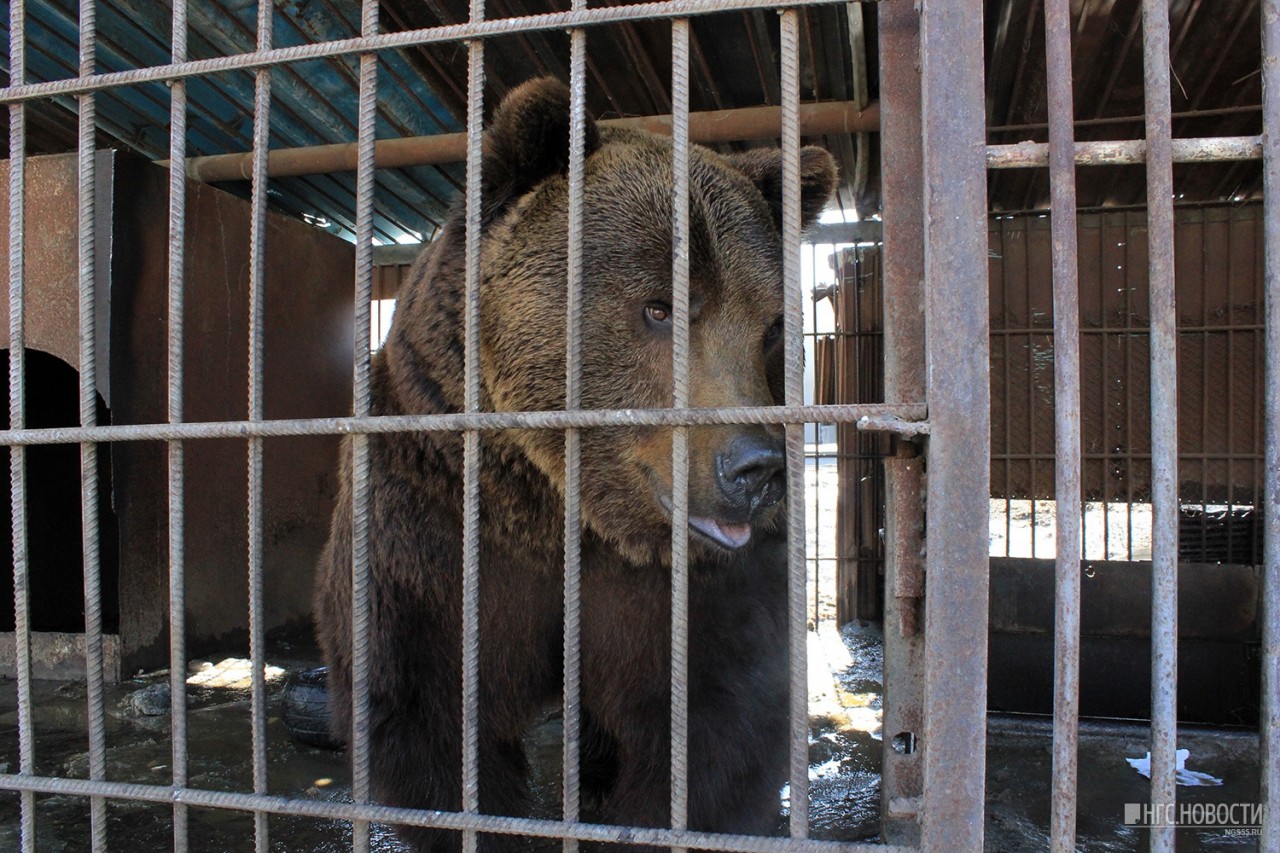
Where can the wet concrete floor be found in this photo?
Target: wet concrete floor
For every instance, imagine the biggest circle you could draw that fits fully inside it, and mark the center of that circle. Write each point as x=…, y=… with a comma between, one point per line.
x=845, y=702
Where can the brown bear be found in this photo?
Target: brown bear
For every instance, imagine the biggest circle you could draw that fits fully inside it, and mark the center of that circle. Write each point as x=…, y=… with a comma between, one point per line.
x=738, y=648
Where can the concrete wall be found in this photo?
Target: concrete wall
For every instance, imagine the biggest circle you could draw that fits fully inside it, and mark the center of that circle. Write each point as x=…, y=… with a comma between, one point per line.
x=308, y=343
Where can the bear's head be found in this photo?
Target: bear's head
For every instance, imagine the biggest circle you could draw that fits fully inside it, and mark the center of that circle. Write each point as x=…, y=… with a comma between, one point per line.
x=736, y=472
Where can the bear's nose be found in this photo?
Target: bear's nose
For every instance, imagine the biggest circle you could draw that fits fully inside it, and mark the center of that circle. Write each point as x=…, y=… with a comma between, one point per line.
x=749, y=472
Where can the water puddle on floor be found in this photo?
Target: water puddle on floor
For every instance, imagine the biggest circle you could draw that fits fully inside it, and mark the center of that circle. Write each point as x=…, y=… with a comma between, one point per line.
x=844, y=781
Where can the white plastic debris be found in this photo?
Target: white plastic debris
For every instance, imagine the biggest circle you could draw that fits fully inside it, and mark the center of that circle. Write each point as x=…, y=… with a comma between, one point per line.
x=232, y=672
x=1182, y=774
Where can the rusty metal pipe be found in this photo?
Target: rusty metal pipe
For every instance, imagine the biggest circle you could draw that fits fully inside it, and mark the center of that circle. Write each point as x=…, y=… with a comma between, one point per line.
x=1110, y=121
x=1022, y=155
x=706, y=128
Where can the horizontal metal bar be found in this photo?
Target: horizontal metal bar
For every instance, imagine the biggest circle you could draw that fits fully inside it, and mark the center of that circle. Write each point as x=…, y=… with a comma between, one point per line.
x=833, y=117
x=892, y=423
x=323, y=810
x=1025, y=155
x=464, y=421
x=1135, y=331
x=1138, y=118
x=1137, y=457
x=863, y=231
x=387, y=41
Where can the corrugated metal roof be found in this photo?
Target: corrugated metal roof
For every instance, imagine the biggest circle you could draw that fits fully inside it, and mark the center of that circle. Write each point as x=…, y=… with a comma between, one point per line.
x=312, y=102
x=422, y=90
x=1216, y=91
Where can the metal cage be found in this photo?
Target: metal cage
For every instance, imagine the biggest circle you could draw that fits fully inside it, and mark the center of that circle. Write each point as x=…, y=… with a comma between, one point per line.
x=936, y=407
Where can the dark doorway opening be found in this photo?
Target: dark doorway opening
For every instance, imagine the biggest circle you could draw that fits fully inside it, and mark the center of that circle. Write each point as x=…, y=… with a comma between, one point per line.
x=54, y=521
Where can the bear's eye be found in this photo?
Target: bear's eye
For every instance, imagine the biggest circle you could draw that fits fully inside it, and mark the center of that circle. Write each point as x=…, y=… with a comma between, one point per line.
x=773, y=334
x=657, y=315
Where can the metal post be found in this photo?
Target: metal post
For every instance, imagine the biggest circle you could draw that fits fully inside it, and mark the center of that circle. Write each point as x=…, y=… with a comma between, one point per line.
x=17, y=420
x=1269, y=723
x=572, y=703
x=176, y=484
x=360, y=494
x=256, y=522
x=1067, y=440
x=959, y=412
x=793, y=359
x=88, y=417
x=471, y=439
x=680, y=263
x=904, y=380
x=1164, y=416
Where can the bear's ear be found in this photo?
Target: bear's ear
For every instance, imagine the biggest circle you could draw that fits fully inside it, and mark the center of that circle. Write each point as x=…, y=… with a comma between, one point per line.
x=817, y=179
x=528, y=141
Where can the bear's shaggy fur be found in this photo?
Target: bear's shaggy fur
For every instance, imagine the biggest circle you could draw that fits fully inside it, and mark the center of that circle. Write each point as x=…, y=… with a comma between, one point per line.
x=738, y=657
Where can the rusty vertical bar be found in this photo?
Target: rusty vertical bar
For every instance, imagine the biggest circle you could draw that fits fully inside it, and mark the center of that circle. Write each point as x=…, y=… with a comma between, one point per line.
x=572, y=702
x=256, y=403
x=86, y=211
x=1128, y=403
x=680, y=262
x=1067, y=440
x=471, y=439
x=361, y=616
x=904, y=381
x=1006, y=360
x=1269, y=724
x=960, y=436
x=176, y=485
x=1164, y=415
x=17, y=420
x=793, y=359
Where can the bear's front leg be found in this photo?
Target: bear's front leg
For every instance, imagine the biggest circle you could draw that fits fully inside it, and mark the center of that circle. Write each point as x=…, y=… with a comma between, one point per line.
x=735, y=767
x=417, y=763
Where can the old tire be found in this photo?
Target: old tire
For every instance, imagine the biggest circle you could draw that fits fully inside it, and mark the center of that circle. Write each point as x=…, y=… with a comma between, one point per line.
x=306, y=708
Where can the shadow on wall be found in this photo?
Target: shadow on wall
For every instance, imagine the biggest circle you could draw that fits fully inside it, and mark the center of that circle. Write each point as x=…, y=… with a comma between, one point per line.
x=54, y=521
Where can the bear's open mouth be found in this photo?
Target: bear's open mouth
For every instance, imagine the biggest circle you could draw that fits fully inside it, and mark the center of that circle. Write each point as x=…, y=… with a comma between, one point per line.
x=731, y=536
x=726, y=534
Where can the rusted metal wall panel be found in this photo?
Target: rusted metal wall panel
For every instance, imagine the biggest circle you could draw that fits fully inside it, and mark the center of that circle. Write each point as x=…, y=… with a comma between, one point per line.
x=859, y=378
x=1218, y=253
x=1219, y=629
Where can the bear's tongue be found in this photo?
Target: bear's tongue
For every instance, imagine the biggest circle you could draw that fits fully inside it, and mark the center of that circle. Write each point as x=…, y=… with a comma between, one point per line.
x=731, y=536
